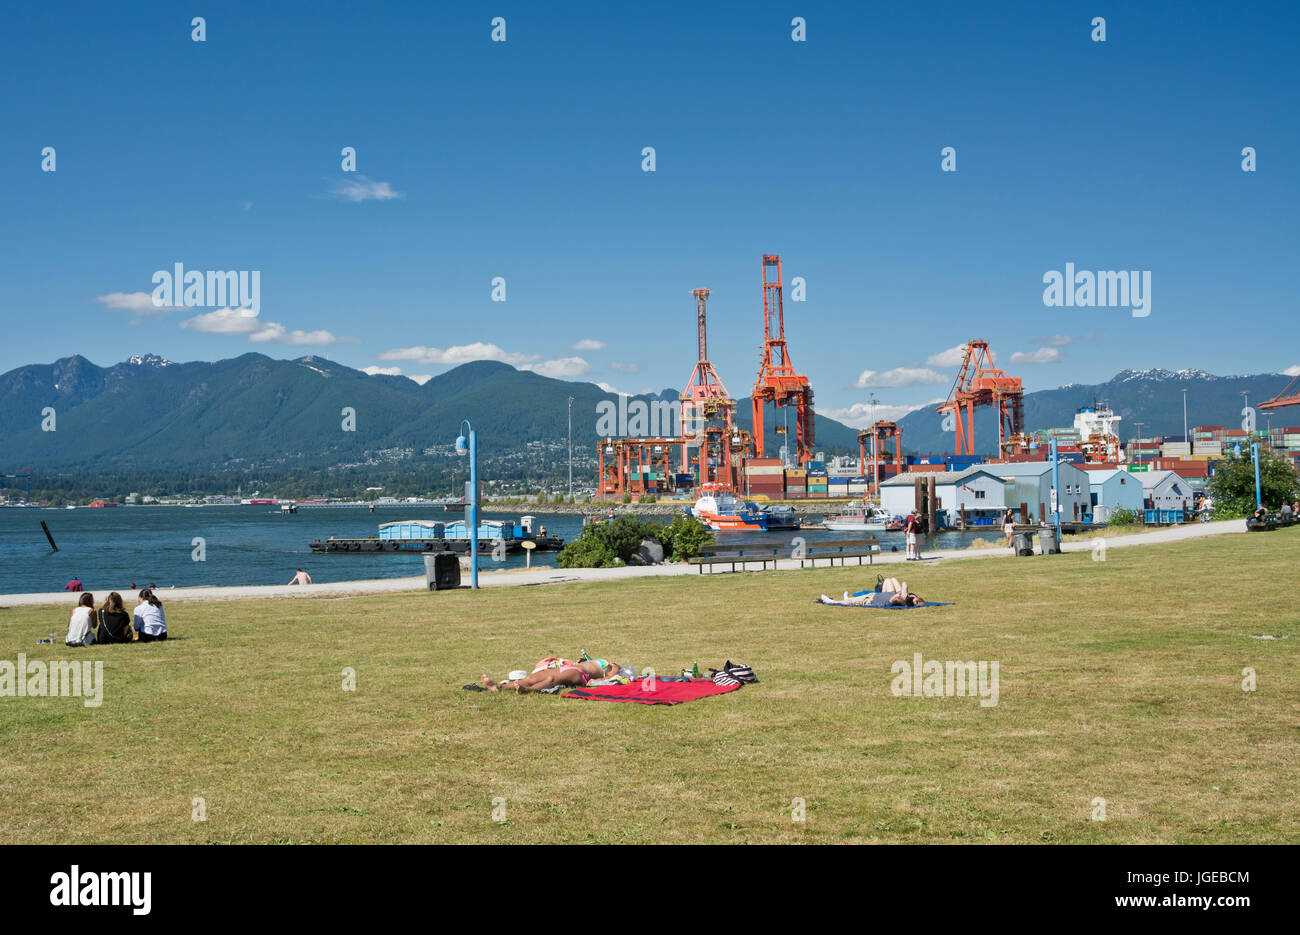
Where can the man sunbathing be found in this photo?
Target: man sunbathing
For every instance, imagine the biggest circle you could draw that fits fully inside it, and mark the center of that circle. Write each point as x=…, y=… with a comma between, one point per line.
x=553, y=671
x=892, y=593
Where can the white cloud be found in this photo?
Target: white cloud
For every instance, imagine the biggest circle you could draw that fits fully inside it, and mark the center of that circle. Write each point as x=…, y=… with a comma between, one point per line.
x=621, y=367
x=899, y=377
x=952, y=357
x=566, y=368
x=224, y=321
x=1044, y=355
x=360, y=189
x=860, y=415
x=1292, y=371
x=420, y=378
x=137, y=303
x=234, y=321
x=459, y=354
x=1054, y=340
x=588, y=344
x=275, y=332
x=610, y=388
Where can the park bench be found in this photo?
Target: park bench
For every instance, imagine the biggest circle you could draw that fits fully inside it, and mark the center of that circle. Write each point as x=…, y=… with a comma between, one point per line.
x=738, y=555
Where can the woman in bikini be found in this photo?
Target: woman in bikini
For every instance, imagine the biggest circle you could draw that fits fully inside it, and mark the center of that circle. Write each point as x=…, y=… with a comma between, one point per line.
x=553, y=671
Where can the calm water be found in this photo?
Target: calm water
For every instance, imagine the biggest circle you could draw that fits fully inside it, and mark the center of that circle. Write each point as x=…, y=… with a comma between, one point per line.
x=111, y=548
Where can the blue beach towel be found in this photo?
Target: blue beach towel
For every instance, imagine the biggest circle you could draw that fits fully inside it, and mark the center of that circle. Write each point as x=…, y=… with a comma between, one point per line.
x=889, y=607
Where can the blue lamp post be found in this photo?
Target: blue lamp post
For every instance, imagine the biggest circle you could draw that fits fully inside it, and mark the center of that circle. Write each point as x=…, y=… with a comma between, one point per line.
x=1259, y=497
x=1056, y=489
x=470, y=447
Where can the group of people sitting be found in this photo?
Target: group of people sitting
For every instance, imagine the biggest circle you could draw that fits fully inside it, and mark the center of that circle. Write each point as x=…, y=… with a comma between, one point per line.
x=112, y=624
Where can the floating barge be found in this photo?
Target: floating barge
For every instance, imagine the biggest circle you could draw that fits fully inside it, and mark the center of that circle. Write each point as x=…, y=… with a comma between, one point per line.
x=432, y=536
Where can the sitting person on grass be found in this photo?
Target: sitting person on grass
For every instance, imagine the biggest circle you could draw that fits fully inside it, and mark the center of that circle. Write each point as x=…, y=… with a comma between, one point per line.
x=892, y=593
x=82, y=622
x=553, y=671
x=114, y=621
x=148, y=618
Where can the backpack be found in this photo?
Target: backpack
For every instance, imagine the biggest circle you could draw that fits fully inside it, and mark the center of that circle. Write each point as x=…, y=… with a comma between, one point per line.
x=733, y=674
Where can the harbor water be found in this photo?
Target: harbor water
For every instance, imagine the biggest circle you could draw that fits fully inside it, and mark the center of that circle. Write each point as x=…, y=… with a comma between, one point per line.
x=179, y=547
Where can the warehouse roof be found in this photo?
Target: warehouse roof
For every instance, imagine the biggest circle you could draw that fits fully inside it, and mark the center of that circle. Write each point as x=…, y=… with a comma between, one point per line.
x=940, y=477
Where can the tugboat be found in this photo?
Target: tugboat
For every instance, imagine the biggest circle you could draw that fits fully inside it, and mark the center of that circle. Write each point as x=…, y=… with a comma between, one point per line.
x=432, y=536
x=722, y=511
x=857, y=517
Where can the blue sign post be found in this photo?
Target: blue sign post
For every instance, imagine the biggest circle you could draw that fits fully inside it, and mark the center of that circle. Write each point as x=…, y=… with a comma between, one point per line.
x=1056, y=491
x=1259, y=495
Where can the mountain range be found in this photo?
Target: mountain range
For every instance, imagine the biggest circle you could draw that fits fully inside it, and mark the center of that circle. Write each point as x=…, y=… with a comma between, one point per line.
x=148, y=413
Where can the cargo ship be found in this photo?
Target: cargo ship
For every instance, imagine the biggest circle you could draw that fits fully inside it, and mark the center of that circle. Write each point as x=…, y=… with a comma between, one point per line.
x=433, y=536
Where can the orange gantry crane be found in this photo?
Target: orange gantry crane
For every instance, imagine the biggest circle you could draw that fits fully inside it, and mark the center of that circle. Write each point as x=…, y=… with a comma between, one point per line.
x=979, y=383
x=1284, y=398
x=879, y=434
x=777, y=381
x=705, y=404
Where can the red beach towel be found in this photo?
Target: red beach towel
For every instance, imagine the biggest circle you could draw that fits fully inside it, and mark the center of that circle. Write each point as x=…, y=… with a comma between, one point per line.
x=664, y=692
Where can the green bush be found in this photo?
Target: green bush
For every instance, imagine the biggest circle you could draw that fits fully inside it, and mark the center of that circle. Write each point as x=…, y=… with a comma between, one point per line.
x=600, y=544
x=647, y=498
x=1233, y=484
x=1123, y=517
x=627, y=498
x=684, y=537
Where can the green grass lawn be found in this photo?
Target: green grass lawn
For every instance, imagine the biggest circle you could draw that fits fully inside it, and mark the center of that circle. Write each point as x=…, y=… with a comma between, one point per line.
x=1118, y=680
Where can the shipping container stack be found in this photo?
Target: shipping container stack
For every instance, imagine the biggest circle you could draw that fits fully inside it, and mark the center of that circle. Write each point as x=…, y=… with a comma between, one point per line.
x=818, y=480
x=796, y=483
x=764, y=477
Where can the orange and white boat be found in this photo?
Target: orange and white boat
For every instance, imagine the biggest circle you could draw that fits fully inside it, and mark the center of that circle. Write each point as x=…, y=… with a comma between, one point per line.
x=722, y=511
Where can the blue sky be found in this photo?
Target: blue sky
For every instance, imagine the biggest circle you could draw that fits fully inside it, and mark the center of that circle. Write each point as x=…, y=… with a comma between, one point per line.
x=523, y=160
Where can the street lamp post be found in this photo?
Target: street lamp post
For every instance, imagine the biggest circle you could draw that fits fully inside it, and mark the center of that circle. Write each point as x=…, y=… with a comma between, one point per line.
x=570, y=447
x=1187, y=438
x=1259, y=496
x=470, y=447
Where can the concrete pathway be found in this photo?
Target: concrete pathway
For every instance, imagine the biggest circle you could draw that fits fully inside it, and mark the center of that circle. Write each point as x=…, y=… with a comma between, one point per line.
x=538, y=576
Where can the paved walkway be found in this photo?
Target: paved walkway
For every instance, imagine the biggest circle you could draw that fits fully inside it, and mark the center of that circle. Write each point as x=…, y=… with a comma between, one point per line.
x=537, y=576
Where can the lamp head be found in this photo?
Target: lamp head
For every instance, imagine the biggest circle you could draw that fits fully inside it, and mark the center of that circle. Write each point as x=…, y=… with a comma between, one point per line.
x=462, y=446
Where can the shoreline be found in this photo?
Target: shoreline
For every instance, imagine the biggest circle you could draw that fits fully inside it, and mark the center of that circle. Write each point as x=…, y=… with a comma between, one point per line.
x=526, y=577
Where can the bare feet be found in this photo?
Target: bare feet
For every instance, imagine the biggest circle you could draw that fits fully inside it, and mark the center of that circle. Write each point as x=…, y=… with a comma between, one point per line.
x=489, y=684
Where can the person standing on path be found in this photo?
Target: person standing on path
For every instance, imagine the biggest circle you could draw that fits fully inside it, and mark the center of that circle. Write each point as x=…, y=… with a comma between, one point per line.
x=909, y=531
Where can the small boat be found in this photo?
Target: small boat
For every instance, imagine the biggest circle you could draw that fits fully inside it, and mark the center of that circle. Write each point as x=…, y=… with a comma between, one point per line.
x=722, y=511
x=782, y=517
x=857, y=517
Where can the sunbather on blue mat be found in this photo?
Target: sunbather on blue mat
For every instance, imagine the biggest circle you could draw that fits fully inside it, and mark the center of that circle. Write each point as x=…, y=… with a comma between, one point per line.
x=891, y=593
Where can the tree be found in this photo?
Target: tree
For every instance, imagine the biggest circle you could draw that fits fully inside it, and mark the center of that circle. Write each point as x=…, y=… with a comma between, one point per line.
x=1233, y=483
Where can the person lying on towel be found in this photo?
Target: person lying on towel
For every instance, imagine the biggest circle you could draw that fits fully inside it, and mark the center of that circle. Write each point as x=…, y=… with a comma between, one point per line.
x=553, y=671
x=892, y=592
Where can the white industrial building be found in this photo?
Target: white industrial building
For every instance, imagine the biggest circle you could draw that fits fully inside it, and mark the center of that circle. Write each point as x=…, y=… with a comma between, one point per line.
x=1113, y=490
x=975, y=489
x=1165, y=490
x=1029, y=490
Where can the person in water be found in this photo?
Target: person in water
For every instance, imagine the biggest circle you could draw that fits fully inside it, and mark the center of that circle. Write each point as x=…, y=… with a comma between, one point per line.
x=892, y=593
x=301, y=578
x=553, y=671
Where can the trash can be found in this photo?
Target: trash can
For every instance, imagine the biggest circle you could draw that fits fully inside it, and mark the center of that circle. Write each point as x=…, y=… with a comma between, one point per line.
x=1047, y=540
x=441, y=570
x=1023, y=543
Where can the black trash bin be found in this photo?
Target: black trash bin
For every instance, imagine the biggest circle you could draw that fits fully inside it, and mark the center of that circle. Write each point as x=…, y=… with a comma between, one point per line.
x=1023, y=542
x=1047, y=540
x=441, y=570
